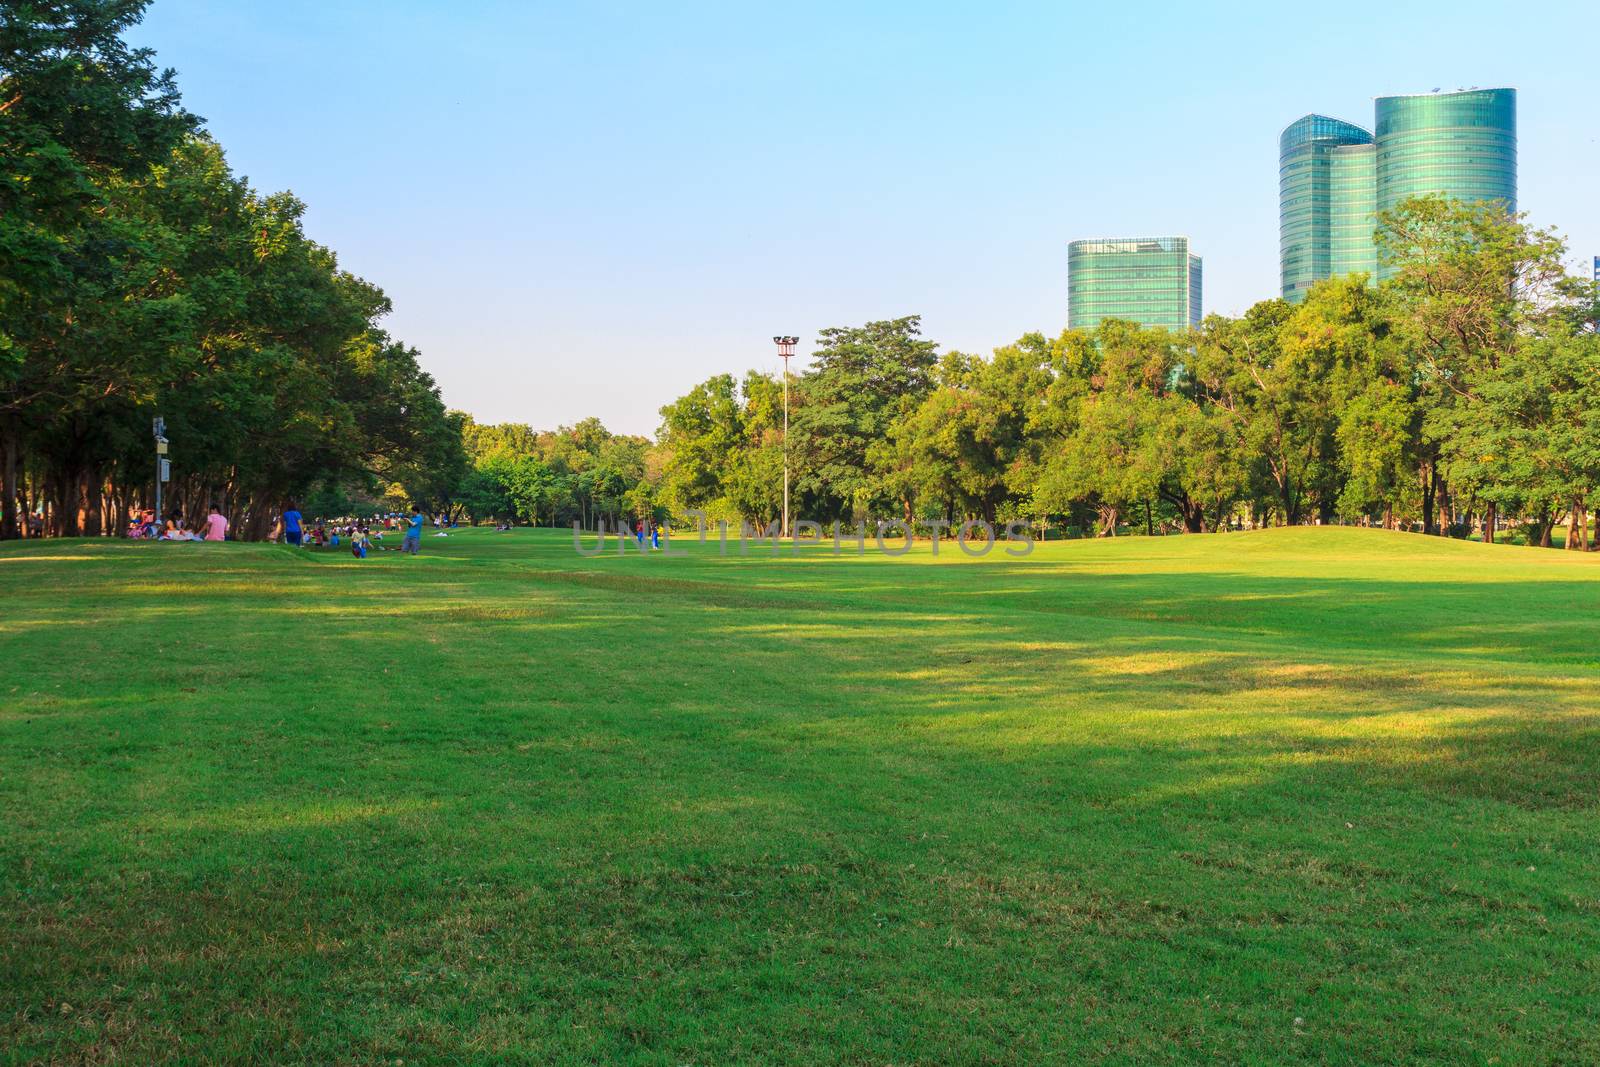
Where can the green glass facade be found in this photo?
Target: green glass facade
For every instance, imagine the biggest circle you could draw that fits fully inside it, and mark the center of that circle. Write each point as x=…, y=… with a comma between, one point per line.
x=1305, y=197
x=1334, y=177
x=1153, y=281
x=1463, y=145
x=1352, y=214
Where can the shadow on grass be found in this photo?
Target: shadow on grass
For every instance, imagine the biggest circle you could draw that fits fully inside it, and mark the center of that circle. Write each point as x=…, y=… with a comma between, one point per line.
x=494, y=811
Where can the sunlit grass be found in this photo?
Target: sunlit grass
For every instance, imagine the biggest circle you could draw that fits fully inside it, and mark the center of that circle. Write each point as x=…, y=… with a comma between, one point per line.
x=1150, y=800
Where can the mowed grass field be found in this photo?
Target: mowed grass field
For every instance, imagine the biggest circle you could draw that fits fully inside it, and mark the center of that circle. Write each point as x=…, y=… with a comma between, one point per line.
x=1296, y=796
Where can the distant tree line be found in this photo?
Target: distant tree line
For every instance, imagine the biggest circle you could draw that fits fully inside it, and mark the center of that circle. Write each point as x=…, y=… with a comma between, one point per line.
x=577, y=474
x=140, y=277
x=1464, y=391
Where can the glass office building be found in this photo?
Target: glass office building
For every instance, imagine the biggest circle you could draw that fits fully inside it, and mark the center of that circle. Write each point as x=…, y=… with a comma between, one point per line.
x=1305, y=197
x=1153, y=281
x=1334, y=177
x=1352, y=213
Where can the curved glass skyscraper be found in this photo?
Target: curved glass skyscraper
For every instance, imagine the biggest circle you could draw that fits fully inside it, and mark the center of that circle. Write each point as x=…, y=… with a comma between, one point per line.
x=1305, y=197
x=1463, y=145
x=1333, y=177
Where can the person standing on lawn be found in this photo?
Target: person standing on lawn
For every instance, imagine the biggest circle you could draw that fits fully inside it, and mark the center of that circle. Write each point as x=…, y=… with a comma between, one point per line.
x=291, y=525
x=413, y=539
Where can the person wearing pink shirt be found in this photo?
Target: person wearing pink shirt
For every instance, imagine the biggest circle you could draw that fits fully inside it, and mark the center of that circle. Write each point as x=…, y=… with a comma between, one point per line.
x=216, y=525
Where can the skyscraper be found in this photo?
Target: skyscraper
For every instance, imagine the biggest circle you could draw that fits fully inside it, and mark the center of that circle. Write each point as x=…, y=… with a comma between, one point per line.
x=1305, y=195
x=1153, y=281
x=1333, y=176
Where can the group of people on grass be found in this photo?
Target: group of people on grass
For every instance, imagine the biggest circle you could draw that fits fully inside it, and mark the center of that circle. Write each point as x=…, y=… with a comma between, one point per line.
x=360, y=536
x=291, y=529
x=650, y=531
x=145, y=525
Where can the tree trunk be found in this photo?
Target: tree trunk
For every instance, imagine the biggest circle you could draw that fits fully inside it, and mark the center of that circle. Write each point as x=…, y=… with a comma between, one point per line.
x=10, y=446
x=90, y=514
x=1489, y=516
x=1430, y=489
x=66, y=517
x=1194, y=517
x=1149, y=526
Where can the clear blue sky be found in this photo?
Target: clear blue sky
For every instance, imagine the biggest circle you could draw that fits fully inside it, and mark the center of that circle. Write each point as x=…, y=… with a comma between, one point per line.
x=583, y=209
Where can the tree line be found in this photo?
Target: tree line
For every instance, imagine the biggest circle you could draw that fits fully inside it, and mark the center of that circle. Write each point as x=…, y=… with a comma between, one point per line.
x=581, y=474
x=1462, y=393
x=140, y=277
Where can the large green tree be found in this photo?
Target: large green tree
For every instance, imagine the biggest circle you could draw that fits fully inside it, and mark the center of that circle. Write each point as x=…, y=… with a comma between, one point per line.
x=78, y=108
x=862, y=381
x=1472, y=284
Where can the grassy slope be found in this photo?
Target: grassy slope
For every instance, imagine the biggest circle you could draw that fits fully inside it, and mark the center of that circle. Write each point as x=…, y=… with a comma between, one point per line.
x=1297, y=796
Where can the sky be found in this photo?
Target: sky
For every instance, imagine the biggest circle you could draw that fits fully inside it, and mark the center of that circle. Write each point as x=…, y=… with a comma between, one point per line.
x=584, y=209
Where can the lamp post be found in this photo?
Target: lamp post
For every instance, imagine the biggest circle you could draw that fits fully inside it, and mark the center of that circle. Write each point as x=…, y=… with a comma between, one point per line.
x=158, y=428
x=785, y=351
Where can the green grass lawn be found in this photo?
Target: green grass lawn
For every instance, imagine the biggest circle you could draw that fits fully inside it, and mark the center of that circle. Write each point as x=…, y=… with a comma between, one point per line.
x=1309, y=795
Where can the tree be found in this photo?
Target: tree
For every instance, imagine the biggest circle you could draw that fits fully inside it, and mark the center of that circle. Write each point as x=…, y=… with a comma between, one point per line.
x=703, y=431
x=862, y=381
x=1472, y=282
x=77, y=106
x=1278, y=396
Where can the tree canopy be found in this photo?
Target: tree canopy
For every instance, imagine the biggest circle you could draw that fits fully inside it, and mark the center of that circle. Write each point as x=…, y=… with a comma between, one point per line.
x=141, y=278
x=1459, y=390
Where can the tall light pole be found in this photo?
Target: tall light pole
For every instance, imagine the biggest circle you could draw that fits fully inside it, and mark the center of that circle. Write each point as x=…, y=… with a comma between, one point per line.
x=786, y=351
x=158, y=427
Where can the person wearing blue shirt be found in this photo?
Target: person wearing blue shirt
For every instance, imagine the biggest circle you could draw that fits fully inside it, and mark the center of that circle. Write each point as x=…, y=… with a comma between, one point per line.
x=291, y=524
x=413, y=539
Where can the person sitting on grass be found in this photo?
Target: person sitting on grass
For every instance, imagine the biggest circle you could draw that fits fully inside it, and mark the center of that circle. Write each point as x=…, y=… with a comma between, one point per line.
x=216, y=524
x=177, y=531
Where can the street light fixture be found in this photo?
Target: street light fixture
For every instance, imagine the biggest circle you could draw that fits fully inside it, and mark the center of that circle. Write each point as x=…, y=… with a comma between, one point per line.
x=786, y=352
x=158, y=430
